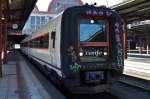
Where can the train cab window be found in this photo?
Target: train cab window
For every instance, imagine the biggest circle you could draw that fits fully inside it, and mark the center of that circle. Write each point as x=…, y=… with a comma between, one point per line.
x=93, y=40
x=92, y=31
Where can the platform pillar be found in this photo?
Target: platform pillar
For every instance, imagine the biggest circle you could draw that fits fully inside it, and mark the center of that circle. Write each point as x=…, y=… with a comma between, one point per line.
x=1, y=47
x=125, y=43
x=148, y=45
x=5, y=42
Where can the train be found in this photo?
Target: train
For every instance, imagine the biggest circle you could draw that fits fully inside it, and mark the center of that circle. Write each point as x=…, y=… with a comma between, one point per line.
x=81, y=48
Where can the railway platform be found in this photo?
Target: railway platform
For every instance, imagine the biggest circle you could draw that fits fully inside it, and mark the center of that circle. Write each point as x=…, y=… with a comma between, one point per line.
x=18, y=81
x=137, y=67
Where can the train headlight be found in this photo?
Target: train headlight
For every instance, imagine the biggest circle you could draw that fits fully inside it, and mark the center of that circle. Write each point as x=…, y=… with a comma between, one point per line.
x=80, y=53
x=105, y=53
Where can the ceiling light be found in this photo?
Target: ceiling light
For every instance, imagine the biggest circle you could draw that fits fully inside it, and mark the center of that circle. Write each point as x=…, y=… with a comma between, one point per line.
x=143, y=9
x=2, y=18
x=10, y=1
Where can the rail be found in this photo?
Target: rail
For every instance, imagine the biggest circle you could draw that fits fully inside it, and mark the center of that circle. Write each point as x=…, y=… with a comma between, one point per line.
x=135, y=82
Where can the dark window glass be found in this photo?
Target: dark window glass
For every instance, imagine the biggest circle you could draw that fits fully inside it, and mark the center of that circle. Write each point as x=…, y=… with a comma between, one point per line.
x=36, y=43
x=44, y=41
x=30, y=43
x=33, y=27
x=32, y=19
x=42, y=20
x=37, y=20
x=50, y=18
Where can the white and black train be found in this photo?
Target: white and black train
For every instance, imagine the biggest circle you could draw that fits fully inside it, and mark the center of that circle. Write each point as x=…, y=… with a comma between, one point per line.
x=81, y=47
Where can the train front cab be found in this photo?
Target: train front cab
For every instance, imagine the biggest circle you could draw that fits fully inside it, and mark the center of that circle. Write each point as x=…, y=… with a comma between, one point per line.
x=91, y=45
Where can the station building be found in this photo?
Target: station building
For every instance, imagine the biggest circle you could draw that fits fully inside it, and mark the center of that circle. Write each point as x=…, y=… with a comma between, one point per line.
x=39, y=18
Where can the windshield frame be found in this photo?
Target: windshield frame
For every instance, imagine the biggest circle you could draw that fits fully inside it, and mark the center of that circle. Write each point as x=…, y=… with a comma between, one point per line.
x=94, y=43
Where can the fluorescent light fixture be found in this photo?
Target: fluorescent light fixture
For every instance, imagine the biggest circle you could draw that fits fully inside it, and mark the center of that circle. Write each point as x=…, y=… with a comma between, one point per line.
x=10, y=1
x=143, y=9
x=2, y=18
x=17, y=46
x=122, y=3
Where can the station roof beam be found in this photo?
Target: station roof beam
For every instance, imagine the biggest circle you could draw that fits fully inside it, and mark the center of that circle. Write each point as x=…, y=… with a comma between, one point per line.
x=16, y=11
x=133, y=10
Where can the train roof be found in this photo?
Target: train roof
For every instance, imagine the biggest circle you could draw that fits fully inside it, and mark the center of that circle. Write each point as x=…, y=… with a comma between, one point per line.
x=73, y=10
x=77, y=9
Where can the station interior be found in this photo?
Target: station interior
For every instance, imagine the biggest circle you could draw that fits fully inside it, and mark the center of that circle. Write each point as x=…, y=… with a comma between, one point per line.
x=135, y=19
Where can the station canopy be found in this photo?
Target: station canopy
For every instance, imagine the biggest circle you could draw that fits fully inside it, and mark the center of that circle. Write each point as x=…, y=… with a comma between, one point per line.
x=136, y=13
x=16, y=12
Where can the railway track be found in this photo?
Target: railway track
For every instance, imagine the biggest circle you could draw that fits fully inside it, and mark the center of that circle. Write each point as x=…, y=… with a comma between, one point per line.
x=135, y=82
x=131, y=88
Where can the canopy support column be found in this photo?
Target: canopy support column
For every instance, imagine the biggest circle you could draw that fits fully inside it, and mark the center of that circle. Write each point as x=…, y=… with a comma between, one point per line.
x=5, y=42
x=125, y=43
x=1, y=47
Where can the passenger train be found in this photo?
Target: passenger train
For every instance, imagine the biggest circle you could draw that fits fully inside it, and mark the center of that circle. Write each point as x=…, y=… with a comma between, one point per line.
x=82, y=48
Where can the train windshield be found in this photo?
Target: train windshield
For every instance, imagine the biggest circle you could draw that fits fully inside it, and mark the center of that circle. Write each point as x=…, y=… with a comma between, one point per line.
x=93, y=37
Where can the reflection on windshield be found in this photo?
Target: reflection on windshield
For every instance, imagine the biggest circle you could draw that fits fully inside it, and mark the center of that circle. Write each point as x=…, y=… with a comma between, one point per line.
x=92, y=31
x=94, y=44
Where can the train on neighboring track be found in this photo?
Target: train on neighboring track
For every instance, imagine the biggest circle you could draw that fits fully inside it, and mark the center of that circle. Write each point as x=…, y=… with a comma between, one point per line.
x=82, y=48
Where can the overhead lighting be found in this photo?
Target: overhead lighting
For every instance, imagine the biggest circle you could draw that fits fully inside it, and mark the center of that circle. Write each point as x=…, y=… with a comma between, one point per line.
x=10, y=1
x=122, y=3
x=15, y=26
x=143, y=9
x=129, y=26
x=2, y=18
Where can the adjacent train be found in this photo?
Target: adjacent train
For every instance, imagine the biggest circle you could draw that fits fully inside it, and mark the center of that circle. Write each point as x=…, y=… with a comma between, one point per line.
x=82, y=48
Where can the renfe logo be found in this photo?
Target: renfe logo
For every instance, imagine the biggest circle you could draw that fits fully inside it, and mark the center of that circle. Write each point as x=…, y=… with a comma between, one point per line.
x=100, y=13
x=93, y=53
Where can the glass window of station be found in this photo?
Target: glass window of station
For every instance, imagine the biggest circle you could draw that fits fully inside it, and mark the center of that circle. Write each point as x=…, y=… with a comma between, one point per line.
x=38, y=21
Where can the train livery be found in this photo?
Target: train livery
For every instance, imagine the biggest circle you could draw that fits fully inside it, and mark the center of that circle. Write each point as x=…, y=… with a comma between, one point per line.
x=82, y=48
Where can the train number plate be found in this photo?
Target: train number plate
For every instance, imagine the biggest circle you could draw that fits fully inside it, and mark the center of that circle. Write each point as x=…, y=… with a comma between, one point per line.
x=94, y=76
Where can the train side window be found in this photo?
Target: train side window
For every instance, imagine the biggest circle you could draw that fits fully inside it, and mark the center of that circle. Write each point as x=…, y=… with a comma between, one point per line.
x=30, y=44
x=53, y=36
x=43, y=41
x=34, y=43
